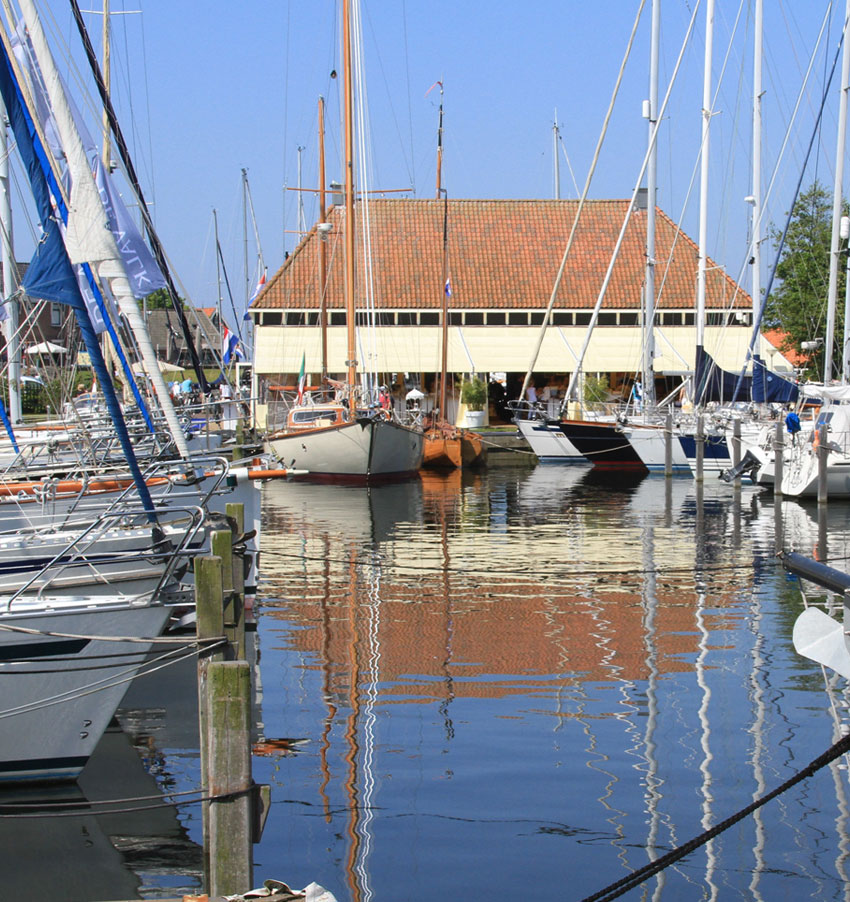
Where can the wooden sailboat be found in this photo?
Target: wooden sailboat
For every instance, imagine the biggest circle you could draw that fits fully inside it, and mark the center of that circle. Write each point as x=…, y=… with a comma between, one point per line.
x=349, y=437
x=446, y=445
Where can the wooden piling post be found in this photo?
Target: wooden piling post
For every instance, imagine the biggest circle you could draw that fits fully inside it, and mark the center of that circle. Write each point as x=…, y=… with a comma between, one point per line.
x=668, y=443
x=822, y=452
x=778, y=459
x=699, y=445
x=209, y=614
x=221, y=545
x=236, y=512
x=230, y=785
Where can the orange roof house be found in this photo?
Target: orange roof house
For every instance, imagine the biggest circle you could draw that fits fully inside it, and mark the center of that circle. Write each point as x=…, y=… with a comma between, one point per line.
x=503, y=257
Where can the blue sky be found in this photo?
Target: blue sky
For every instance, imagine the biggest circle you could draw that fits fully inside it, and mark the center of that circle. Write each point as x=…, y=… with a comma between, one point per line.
x=204, y=90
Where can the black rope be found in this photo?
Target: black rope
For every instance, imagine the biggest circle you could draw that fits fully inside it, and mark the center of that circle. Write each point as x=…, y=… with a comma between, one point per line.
x=617, y=889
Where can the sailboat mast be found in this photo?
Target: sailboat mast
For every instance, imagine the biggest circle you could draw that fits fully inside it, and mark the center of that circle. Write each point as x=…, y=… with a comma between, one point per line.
x=444, y=338
x=648, y=375
x=555, y=160
x=835, y=251
x=218, y=271
x=348, y=107
x=440, y=146
x=107, y=85
x=323, y=251
x=10, y=326
x=703, y=181
x=756, y=195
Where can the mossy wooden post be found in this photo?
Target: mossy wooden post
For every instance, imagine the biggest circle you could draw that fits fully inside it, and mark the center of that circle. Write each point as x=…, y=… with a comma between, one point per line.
x=778, y=460
x=699, y=445
x=230, y=810
x=209, y=611
x=221, y=545
x=236, y=511
x=822, y=454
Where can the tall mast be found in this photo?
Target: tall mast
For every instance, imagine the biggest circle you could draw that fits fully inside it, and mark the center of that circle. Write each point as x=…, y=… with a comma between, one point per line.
x=440, y=146
x=323, y=251
x=218, y=272
x=10, y=326
x=444, y=311
x=835, y=251
x=348, y=114
x=756, y=195
x=703, y=180
x=648, y=375
x=107, y=84
x=556, y=163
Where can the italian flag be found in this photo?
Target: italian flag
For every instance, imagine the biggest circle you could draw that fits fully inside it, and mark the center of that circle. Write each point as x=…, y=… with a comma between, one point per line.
x=302, y=378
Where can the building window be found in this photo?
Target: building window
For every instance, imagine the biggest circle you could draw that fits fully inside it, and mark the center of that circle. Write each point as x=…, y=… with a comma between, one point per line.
x=537, y=317
x=517, y=318
x=561, y=319
x=406, y=319
x=671, y=319
x=455, y=319
x=689, y=319
x=56, y=315
x=715, y=319
x=496, y=319
x=337, y=318
x=607, y=319
x=474, y=319
x=582, y=319
x=295, y=318
x=628, y=319
x=429, y=319
x=272, y=319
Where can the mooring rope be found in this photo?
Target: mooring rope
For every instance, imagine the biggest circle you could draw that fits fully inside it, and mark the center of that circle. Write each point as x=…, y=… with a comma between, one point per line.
x=617, y=889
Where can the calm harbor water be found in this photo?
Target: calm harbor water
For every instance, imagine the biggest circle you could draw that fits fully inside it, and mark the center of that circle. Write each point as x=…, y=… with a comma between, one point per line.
x=523, y=683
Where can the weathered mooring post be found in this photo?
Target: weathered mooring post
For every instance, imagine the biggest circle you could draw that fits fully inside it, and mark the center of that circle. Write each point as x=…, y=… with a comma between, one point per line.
x=668, y=443
x=230, y=822
x=699, y=447
x=822, y=453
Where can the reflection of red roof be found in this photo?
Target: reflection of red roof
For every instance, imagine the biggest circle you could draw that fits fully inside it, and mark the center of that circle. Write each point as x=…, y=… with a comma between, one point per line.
x=503, y=254
x=778, y=339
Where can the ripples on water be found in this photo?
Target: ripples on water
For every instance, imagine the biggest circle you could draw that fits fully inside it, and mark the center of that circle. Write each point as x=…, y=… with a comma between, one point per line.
x=530, y=683
x=523, y=683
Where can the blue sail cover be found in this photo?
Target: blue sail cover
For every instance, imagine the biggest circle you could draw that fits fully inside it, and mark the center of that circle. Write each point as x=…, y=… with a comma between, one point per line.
x=714, y=384
x=770, y=387
x=50, y=275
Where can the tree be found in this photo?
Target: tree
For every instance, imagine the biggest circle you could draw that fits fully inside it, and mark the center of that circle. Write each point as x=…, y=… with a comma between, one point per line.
x=798, y=306
x=160, y=300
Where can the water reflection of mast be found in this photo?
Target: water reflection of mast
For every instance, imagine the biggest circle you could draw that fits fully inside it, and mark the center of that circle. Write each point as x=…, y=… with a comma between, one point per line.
x=650, y=608
x=705, y=766
x=327, y=682
x=351, y=740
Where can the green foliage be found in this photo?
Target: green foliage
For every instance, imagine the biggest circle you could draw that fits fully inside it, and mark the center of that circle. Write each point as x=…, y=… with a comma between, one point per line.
x=798, y=306
x=596, y=389
x=474, y=394
x=160, y=300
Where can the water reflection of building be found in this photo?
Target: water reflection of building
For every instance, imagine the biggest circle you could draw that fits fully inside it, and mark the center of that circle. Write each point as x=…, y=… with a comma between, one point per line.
x=629, y=625
x=566, y=580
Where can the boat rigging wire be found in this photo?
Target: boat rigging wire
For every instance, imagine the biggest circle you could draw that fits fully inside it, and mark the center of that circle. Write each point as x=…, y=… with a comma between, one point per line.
x=619, y=887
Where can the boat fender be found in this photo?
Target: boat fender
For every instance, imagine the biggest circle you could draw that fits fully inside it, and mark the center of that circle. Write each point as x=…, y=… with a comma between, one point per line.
x=237, y=476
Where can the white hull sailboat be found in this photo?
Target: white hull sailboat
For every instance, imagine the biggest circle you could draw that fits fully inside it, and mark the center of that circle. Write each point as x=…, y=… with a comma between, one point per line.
x=367, y=447
x=351, y=437
x=65, y=664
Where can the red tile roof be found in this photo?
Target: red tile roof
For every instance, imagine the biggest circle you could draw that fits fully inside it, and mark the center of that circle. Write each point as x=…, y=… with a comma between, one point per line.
x=502, y=254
